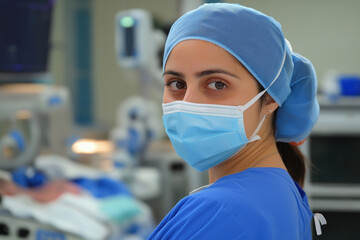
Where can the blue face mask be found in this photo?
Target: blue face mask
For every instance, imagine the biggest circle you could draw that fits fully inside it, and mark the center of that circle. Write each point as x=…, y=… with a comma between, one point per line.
x=205, y=135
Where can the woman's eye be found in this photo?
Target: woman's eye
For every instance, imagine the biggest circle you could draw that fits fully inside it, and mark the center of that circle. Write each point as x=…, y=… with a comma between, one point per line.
x=176, y=85
x=217, y=85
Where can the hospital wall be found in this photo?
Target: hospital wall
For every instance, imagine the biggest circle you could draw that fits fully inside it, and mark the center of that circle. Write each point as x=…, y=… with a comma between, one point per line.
x=325, y=31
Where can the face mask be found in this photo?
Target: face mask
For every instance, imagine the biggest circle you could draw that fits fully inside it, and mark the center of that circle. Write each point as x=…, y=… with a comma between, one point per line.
x=205, y=135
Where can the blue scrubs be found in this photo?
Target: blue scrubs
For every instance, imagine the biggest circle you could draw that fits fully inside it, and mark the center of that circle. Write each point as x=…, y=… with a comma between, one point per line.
x=256, y=204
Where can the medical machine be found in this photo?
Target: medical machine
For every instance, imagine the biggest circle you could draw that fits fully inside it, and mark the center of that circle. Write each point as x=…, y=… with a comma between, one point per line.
x=133, y=29
x=25, y=31
x=138, y=123
x=137, y=42
x=138, y=46
x=34, y=118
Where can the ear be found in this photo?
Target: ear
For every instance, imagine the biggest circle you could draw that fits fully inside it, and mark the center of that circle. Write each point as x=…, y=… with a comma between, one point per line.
x=269, y=105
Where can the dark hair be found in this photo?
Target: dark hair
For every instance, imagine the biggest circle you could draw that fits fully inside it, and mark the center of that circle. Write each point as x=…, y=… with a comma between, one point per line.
x=291, y=155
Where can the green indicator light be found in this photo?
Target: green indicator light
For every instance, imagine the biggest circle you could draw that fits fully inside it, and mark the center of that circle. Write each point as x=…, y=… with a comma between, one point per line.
x=127, y=22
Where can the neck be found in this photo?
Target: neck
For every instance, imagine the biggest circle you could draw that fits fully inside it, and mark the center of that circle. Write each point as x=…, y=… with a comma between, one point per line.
x=261, y=153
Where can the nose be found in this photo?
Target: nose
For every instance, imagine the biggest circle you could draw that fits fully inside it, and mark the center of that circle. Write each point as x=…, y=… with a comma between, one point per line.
x=192, y=95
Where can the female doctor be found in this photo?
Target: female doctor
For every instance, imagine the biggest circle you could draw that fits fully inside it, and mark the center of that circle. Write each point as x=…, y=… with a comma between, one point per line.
x=236, y=100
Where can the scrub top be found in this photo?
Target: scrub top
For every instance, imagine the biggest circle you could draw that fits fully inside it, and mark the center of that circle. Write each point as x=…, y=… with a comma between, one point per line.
x=256, y=204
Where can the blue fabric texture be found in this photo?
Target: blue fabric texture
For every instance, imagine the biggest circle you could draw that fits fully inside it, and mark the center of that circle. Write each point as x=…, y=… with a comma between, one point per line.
x=256, y=40
x=29, y=177
x=119, y=208
x=256, y=204
x=102, y=187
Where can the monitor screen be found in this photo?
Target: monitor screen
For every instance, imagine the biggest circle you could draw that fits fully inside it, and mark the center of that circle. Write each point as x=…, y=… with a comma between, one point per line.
x=24, y=35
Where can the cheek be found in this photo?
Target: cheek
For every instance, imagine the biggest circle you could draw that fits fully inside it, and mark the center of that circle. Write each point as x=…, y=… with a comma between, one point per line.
x=166, y=96
x=169, y=96
x=252, y=118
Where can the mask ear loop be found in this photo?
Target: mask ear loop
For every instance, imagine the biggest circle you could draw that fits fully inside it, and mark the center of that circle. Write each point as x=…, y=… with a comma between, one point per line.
x=255, y=137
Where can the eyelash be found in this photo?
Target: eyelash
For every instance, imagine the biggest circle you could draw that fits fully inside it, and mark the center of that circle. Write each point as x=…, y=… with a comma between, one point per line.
x=218, y=81
x=168, y=84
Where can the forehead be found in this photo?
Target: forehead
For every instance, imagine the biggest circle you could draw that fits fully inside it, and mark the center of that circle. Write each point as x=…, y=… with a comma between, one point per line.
x=195, y=45
x=199, y=55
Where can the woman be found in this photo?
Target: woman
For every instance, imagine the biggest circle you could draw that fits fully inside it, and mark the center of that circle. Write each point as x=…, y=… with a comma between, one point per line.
x=235, y=98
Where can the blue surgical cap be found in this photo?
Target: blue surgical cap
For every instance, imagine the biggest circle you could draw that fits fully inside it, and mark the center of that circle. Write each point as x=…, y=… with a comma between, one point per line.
x=256, y=40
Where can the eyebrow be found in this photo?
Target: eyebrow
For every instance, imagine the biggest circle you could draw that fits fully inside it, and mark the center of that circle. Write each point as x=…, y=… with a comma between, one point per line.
x=177, y=74
x=201, y=74
x=214, y=71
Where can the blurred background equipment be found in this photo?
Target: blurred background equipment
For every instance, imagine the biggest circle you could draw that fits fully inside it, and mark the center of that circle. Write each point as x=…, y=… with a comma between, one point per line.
x=55, y=184
x=138, y=45
x=137, y=42
x=332, y=180
x=25, y=32
x=35, y=118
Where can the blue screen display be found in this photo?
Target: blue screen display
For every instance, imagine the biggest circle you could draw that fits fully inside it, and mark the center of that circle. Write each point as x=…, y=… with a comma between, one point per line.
x=24, y=35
